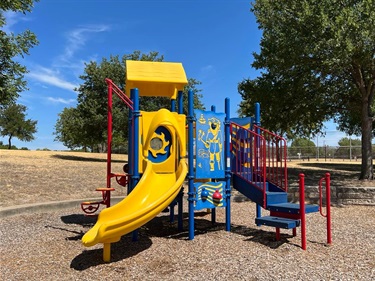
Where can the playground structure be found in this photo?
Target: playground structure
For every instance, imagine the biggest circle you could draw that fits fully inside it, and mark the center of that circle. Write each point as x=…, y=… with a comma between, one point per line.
x=220, y=151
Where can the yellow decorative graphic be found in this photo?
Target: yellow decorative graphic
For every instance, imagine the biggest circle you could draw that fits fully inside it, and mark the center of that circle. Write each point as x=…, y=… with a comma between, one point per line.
x=211, y=188
x=203, y=153
x=158, y=144
x=213, y=142
x=202, y=120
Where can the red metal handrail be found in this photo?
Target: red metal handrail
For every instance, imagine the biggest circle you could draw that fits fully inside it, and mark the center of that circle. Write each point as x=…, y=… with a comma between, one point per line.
x=327, y=180
x=250, y=150
x=112, y=87
x=277, y=172
x=302, y=210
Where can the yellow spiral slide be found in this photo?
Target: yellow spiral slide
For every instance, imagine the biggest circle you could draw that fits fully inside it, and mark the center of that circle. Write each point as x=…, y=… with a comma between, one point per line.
x=153, y=193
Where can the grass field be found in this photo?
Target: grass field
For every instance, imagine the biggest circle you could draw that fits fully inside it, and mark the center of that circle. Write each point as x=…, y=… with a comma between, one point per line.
x=40, y=176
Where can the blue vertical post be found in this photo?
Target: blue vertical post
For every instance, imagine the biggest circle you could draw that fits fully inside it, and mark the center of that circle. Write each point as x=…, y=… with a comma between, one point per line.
x=173, y=105
x=227, y=165
x=181, y=194
x=191, y=193
x=136, y=176
x=257, y=122
x=213, y=210
x=180, y=96
x=171, y=206
x=130, y=145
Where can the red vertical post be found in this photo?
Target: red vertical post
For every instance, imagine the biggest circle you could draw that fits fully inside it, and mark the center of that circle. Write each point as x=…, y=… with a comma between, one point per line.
x=328, y=207
x=277, y=233
x=302, y=209
x=109, y=141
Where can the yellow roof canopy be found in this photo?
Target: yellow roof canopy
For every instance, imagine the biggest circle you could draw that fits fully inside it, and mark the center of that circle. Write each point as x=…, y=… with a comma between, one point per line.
x=162, y=79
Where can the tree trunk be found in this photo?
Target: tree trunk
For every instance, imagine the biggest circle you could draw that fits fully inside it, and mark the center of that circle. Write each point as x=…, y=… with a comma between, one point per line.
x=367, y=93
x=10, y=142
x=367, y=168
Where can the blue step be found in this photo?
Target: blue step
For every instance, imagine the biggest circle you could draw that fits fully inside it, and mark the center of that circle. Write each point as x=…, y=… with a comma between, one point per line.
x=277, y=222
x=247, y=189
x=276, y=197
x=292, y=208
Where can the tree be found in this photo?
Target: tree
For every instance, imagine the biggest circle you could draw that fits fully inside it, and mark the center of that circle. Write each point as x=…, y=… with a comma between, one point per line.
x=349, y=142
x=69, y=126
x=13, y=123
x=302, y=147
x=348, y=148
x=12, y=72
x=318, y=62
x=90, y=116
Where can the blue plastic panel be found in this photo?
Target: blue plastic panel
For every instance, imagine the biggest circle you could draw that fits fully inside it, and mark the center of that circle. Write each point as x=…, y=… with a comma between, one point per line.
x=209, y=144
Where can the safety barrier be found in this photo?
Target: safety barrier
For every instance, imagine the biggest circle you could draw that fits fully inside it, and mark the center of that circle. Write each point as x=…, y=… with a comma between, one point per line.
x=276, y=158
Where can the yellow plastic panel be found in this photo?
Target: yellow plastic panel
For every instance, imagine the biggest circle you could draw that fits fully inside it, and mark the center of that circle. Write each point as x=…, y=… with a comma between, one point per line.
x=175, y=123
x=163, y=79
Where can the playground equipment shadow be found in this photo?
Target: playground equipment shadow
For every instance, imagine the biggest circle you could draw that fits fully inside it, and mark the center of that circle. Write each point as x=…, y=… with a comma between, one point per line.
x=161, y=227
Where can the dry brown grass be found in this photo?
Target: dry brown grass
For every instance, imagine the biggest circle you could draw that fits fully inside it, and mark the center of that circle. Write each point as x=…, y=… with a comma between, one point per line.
x=42, y=176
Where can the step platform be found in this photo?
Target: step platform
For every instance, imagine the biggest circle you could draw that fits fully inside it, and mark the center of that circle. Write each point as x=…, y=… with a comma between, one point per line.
x=278, y=222
x=292, y=208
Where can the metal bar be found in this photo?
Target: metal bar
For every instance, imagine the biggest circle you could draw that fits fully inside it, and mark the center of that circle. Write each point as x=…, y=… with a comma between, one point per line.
x=191, y=193
x=136, y=176
x=273, y=172
x=107, y=194
x=302, y=210
x=109, y=135
x=227, y=165
x=328, y=202
x=119, y=93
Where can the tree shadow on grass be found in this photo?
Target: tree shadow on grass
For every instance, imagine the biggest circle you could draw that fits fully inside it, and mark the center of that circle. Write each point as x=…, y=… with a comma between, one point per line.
x=84, y=159
x=334, y=166
x=341, y=174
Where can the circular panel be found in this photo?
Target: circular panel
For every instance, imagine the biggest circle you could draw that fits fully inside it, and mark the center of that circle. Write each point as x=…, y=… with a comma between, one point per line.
x=156, y=143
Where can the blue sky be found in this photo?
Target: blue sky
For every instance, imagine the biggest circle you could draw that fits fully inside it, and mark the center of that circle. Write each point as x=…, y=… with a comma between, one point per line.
x=214, y=40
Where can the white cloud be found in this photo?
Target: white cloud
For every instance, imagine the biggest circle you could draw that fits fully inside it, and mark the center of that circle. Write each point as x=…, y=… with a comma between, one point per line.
x=208, y=68
x=61, y=100
x=10, y=19
x=51, y=77
x=77, y=38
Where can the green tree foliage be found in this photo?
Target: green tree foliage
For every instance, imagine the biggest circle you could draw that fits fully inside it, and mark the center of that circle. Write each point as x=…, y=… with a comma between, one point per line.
x=302, y=147
x=88, y=126
x=318, y=62
x=69, y=127
x=13, y=124
x=13, y=45
x=349, y=148
x=349, y=142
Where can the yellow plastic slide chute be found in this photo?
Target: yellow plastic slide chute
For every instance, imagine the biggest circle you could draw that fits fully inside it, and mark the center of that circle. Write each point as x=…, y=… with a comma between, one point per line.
x=153, y=193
